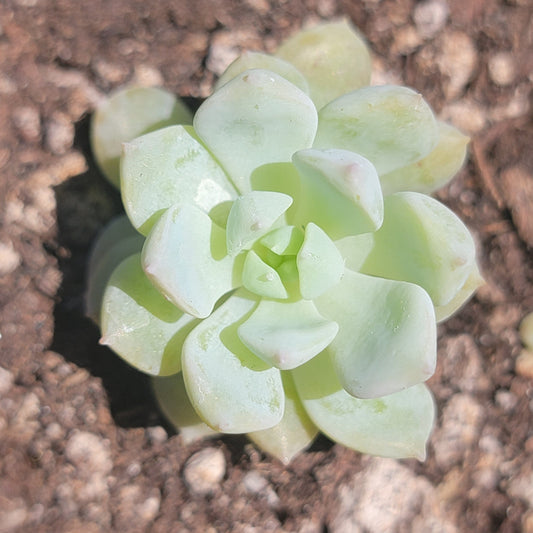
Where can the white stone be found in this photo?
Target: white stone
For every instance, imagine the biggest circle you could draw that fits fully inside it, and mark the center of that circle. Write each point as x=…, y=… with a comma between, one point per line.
x=502, y=69
x=204, y=470
x=6, y=380
x=89, y=453
x=28, y=123
x=521, y=486
x=388, y=496
x=466, y=115
x=59, y=133
x=156, y=434
x=458, y=431
x=430, y=17
x=457, y=60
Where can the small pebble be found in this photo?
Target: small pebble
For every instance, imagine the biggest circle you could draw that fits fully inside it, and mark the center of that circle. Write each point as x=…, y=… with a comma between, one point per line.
x=430, y=17
x=6, y=380
x=156, y=435
x=59, y=134
x=89, y=452
x=502, y=68
x=28, y=123
x=204, y=471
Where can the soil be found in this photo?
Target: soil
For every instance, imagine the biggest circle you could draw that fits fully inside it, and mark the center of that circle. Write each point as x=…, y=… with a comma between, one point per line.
x=82, y=445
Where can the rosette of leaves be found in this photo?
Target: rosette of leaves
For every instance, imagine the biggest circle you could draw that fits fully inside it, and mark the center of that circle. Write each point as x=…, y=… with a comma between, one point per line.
x=281, y=269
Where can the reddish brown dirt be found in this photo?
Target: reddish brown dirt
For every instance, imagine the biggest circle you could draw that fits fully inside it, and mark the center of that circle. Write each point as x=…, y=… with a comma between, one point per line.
x=57, y=60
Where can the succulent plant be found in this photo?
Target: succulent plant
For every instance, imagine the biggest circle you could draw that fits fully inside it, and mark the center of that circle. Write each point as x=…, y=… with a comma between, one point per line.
x=281, y=269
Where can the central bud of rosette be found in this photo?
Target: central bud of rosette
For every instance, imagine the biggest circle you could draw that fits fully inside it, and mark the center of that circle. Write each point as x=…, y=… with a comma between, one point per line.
x=277, y=254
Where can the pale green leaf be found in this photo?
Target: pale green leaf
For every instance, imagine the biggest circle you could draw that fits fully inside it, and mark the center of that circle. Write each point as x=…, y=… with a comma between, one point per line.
x=472, y=283
x=392, y=126
x=139, y=324
x=232, y=389
x=169, y=166
x=286, y=334
x=423, y=242
x=395, y=426
x=332, y=56
x=286, y=240
x=433, y=171
x=252, y=60
x=256, y=118
x=261, y=279
x=251, y=216
x=340, y=192
x=319, y=262
x=174, y=403
x=127, y=114
x=117, y=241
x=185, y=258
x=387, y=334
x=295, y=431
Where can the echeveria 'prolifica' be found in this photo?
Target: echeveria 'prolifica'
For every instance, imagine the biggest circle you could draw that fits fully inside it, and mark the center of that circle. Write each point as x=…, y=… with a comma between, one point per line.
x=284, y=269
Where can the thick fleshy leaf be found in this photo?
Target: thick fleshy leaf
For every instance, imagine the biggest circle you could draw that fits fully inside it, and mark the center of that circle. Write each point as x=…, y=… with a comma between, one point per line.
x=340, y=192
x=256, y=118
x=169, y=166
x=127, y=114
x=251, y=216
x=333, y=57
x=99, y=276
x=295, y=431
x=139, y=324
x=261, y=279
x=250, y=60
x=392, y=126
x=232, y=389
x=320, y=264
x=472, y=283
x=395, y=426
x=433, y=171
x=286, y=240
x=387, y=338
x=423, y=242
x=185, y=258
x=286, y=334
x=174, y=403
x=117, y=241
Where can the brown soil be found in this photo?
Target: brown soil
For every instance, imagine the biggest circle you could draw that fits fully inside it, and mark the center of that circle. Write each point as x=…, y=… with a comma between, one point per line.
x=82, y=446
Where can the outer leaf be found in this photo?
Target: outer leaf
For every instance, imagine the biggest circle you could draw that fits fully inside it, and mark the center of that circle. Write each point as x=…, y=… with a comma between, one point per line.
x=253, y=60
x=286, y=334
x=387, y=334
x=340, y=192
x=472, y=283
x=139, y=324
x=391, y=126
x=251, y=216
x=333, y=57
x=174, y=403
x=320, y=264
x=256, y=118
x=117, y=241
x=295, y=431
x=231, y=389
x=99, y=276
x=166, y=167
x=396, y=426
x=185, y=258
x=423, y=242
x=433, y=171
x=262, y=279
x=127, y=114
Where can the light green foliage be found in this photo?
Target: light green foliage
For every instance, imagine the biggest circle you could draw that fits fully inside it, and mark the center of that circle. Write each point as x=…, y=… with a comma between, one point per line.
x=292, y=268
x=526, y=331
x=333, y=57
x=126, y=115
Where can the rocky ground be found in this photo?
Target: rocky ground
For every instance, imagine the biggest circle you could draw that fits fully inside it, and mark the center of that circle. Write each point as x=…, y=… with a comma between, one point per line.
x=82, y=446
